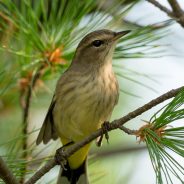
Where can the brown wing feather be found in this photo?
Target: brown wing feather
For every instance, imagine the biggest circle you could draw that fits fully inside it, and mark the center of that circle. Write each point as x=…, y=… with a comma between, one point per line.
x=48, y=130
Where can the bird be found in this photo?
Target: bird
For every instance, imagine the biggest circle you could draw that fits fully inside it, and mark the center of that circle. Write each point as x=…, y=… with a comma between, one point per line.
x=84, y=98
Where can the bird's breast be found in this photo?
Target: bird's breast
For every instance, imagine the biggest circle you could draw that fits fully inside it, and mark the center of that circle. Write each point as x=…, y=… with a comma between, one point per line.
x=85, y=103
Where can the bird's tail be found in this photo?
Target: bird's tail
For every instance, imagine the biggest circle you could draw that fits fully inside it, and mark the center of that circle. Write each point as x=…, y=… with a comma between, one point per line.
x=73, y=176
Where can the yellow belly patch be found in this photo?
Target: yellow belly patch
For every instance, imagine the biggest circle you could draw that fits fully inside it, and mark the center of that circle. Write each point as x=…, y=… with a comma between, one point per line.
x=78, y=157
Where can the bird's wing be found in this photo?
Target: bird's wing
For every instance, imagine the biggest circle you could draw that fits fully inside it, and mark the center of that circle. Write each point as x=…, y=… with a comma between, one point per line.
x=48, y=130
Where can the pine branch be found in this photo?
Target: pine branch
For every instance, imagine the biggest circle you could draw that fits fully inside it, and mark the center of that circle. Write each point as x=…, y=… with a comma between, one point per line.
x=114, y=125
x=5, y=174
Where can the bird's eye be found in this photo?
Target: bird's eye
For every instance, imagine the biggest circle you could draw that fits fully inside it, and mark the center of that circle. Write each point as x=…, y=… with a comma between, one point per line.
x=97, y=43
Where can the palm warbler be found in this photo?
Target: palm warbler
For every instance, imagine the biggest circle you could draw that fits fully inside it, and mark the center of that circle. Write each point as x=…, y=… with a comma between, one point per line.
x=84, y=98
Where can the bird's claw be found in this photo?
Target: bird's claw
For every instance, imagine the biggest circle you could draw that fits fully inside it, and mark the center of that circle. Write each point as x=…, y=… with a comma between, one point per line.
x=60, y=157
x=105, y=127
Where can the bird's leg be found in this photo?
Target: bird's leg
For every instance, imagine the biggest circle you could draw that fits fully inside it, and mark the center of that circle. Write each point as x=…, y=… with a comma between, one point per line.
x=60, y=156
x=105, y=128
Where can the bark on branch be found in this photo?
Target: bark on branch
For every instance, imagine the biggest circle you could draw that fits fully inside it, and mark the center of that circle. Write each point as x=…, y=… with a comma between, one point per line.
x=176, y=8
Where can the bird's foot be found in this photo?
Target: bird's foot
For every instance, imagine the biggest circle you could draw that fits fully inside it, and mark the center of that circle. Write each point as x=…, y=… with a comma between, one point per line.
x=105, y=127
x=60, y=156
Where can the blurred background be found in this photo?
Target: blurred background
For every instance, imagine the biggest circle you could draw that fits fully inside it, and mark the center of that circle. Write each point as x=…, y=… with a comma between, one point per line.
x=40, y=38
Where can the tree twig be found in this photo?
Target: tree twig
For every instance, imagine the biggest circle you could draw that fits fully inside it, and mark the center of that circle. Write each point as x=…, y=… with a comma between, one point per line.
x=5, y=174
x=127, y=130
x=176, y=8
x=162, y=8
x=177, y=13
x=114, y=125
x=25, y=110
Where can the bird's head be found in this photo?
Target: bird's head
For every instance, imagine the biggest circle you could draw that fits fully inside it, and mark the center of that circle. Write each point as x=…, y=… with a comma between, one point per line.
x=97, y=47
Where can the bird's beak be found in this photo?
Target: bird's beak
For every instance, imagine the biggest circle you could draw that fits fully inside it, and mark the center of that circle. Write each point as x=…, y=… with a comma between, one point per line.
x=120, y=34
